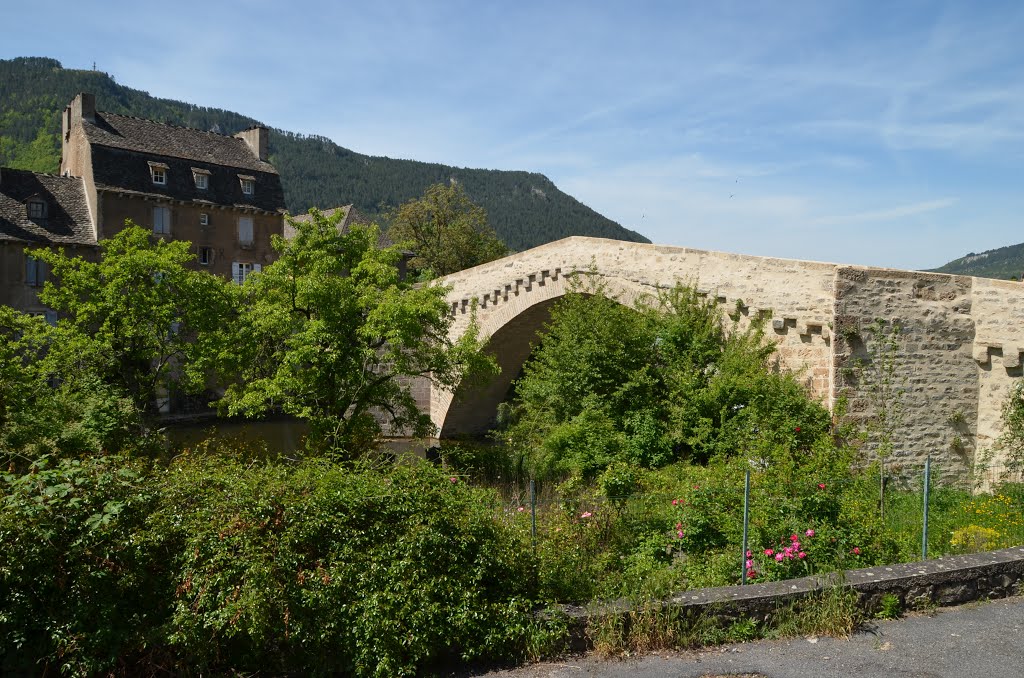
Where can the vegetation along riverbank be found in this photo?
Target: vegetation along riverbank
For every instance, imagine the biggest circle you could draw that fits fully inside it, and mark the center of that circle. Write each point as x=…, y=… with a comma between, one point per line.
x=624, y=450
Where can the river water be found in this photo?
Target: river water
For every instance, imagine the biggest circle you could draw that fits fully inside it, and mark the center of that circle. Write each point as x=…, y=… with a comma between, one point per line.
x=278, y=436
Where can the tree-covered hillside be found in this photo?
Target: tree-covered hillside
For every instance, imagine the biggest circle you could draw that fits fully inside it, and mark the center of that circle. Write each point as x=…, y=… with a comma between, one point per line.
x=525, y=209
x=1003, y=263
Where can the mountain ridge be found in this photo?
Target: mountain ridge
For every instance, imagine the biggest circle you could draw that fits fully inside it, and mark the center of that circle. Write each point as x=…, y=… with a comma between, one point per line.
x=526, y=209
x=1003, y=263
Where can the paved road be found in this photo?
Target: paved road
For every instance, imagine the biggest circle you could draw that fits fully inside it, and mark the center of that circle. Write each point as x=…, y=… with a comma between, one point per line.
x=974, y=641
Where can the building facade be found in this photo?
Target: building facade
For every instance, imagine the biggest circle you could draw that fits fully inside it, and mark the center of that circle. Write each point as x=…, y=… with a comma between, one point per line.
x=39, y=210
x=218, y=192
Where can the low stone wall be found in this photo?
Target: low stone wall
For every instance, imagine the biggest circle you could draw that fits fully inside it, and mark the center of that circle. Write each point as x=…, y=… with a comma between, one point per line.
x=953, y=580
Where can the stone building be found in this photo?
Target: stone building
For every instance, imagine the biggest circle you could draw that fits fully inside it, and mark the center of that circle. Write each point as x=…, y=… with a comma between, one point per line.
x=38, y=210
x=218, y=192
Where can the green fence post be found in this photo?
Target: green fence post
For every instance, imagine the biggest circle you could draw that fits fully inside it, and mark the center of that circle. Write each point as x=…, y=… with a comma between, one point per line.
x=746, y=526
x=924, y=523
x=533, y=512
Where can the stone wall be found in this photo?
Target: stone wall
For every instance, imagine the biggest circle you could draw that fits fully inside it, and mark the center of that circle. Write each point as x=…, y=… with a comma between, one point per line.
x=959, y=346
x=953, y=580
x=904, y=345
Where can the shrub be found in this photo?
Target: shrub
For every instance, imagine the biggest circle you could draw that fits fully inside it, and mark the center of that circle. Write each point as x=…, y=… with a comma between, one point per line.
x=648, y=386
x=82, y=587
x=320, y=569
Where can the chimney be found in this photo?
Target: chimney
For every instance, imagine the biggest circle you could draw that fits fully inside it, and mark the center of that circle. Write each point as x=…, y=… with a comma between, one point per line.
x=257, y=139
x=83, y=107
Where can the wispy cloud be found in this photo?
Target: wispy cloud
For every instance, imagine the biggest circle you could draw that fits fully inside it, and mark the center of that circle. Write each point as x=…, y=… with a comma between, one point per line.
x=885, y=214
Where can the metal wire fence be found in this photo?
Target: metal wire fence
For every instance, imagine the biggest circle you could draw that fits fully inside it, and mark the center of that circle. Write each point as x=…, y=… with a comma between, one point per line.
x=900, y=514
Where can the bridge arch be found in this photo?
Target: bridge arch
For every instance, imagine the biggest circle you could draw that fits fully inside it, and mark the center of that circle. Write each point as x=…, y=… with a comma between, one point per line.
x=511, y=320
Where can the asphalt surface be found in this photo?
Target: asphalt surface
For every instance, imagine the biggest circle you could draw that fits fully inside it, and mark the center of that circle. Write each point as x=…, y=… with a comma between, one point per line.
x=982, y=640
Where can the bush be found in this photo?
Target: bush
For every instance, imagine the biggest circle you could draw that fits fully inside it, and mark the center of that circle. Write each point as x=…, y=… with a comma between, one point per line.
x=320, y=569
x=218, y=566
x=665, y=382
x=82, y=587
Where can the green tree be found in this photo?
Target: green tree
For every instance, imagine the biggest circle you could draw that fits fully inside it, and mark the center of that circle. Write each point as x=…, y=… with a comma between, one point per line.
x=651, y=385
x=330, y=333
x=40, y=415
x=137, y=320
x=445, y=230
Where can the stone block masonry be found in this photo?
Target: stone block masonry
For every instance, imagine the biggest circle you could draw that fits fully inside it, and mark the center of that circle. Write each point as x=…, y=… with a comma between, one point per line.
x=957, y=354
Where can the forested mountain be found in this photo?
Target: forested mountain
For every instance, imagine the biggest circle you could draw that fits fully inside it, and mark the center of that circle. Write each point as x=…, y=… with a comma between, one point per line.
x=525, y=209
x=1004, y=263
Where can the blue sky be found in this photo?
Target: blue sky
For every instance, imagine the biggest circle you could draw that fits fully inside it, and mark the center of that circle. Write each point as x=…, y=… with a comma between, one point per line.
x=888, y=134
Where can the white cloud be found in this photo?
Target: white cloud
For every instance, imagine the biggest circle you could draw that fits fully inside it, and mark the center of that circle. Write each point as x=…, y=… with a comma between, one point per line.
x=884, y=214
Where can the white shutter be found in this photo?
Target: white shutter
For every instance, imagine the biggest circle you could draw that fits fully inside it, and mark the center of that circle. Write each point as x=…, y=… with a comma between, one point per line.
x=161, y=220
x=245, y=230
x=256, y=268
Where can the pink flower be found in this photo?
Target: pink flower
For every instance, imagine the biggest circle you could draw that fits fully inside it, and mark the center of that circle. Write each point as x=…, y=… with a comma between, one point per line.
x=679, y=526
x=769, y=552
x=750, y=563
x=778, y=557
x=454, y=480
x=793, y=537
x=675, y=502
x=821, y=486
x=856, y=550
x=749, y=554
x=801, y=555
x=521, y=509
x=797, y=429
x=696, y=487
x=796, y=546
x=809, y=533
x=586, y=514
x=752, y=574
x=679, y=534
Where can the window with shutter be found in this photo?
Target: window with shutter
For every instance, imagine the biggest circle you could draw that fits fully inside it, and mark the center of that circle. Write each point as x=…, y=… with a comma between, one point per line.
x=240, y=271
x=162, y=220
x=245, y=235
x=35, y=271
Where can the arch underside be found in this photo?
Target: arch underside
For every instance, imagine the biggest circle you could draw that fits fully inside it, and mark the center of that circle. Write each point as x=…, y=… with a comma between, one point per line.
x=472, y=409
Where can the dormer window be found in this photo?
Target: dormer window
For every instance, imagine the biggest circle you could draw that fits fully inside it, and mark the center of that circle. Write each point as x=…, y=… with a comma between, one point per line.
x=158, y=171
x=202, y=178
x=248, y=184
x=36, y=209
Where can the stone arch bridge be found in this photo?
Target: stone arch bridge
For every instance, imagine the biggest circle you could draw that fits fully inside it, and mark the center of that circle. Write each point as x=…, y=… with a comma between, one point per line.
x=959, y=351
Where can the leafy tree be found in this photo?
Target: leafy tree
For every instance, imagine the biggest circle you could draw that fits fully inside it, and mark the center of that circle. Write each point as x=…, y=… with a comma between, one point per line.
x=648, y=386
x=446, y=231
x=136, y=320
x=330, y=333
x=40, y=415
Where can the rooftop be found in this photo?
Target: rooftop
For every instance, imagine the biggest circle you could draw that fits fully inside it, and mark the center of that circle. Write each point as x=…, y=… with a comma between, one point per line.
x=157, y=138
x=66, y=220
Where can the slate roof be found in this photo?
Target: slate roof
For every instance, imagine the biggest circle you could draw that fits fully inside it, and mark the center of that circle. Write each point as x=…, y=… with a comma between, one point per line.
x=123, y=148
x=157, y=138
x=350, y=215
x=67, y=211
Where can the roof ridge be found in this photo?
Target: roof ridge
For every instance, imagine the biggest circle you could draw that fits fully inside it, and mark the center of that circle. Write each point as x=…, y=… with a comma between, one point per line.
x=183, y=127
x=42, y=174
